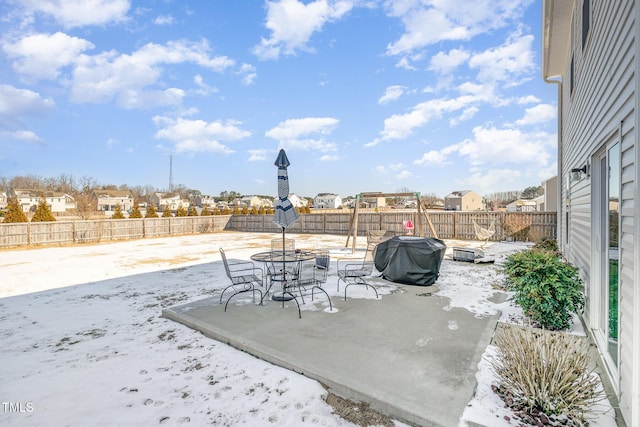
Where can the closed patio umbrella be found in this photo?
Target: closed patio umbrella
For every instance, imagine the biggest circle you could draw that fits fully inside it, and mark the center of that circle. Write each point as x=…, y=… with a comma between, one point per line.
x=285, y=214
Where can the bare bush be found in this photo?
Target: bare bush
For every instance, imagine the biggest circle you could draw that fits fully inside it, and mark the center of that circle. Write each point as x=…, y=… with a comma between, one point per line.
x=546, y=374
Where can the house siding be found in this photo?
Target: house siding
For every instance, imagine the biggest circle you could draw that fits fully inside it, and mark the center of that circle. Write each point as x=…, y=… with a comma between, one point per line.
x=603, y=108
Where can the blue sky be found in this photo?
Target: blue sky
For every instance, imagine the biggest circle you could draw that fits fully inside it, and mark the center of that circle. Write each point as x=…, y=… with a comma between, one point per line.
x=425, y=95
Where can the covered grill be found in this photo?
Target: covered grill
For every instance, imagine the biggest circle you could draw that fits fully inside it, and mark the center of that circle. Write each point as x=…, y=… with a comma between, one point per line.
x=410, y=260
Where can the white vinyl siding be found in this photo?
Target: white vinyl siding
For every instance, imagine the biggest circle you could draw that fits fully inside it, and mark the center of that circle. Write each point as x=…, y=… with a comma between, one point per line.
x=605, y=84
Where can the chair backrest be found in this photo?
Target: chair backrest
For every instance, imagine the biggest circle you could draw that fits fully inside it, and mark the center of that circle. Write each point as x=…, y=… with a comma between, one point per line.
x=280, y=271
x=226, y=264
x=277, y=245
x=323, y=260
x=369, y=256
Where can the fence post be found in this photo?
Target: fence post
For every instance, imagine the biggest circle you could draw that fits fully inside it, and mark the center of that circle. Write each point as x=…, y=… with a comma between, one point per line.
x=453, y=223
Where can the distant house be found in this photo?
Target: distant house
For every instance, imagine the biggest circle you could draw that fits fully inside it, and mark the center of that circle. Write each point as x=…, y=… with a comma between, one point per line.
x=3, y=201
x=327, y=201
x=349, y=201
x=251, y=201
x=464, y=200
x=297, y=201
x=374, y=201
x=408, y=204
x=58, y=202
x=590, y=53
x=540, y=201
x=107, y=200
x=203, y=200
x=550, y=196
x=522, y=205
x=162, y=201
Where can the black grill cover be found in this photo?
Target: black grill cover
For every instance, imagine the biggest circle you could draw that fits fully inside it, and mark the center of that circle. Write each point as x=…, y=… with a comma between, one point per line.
x=410, y=260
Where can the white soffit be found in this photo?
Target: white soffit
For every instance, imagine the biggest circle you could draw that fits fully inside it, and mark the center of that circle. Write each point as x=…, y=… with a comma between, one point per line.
x=556, y=33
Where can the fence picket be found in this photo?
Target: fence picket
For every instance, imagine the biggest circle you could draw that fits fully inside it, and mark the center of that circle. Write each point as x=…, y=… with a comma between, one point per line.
x=524, y=226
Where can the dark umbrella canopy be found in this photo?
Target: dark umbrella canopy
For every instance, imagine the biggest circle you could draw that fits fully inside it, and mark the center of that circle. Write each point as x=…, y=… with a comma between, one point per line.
x=285, y=214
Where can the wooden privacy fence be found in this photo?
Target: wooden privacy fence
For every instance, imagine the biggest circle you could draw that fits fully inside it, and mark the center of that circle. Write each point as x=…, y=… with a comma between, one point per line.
x=523, y=226
x=94, y=231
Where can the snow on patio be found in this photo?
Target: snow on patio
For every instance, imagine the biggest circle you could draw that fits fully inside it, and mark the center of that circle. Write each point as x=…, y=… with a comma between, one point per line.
x=83, y=342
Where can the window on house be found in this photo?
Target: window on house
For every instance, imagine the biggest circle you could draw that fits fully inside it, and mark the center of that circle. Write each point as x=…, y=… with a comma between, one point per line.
x=586, y=21
x=571, y=76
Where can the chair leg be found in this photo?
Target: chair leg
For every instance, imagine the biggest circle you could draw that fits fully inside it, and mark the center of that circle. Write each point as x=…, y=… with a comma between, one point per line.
x=252, y=289
x=325, y=292
x=285, y=292
x=360, y=281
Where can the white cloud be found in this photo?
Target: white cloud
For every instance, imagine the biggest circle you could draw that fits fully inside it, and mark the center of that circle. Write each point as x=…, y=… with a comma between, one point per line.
x=258, y=155
x=21, y=135
x=41, y=56
x=380, y=170
x=507, y=62
x=467, y=114
x=432, y=21
x=392, y=93
x=400, y=126
x=248, y=73
x=404, y=175
x=199, y=135
x=203, y=88
x=446, y=62
x=146, y=99
x=296, y=133
x=528, y=99
x=432, y=157
x=16, y=103
x=539, y=114
x=164, y=20
x=79, y=13
x=404, y=63
x=123, y=77
x=132, y=80
x=492, y=146
x=492, y=180
x=292, y=23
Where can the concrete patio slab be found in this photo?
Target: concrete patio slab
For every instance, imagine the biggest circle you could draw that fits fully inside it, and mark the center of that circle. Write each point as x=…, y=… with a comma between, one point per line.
x=406, y=354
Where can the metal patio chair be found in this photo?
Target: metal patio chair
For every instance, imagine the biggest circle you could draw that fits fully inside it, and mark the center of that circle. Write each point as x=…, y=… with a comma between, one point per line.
x=353, y=271
x=316, y=271
x=303, y=278
x=244, y=277
x=281, y=245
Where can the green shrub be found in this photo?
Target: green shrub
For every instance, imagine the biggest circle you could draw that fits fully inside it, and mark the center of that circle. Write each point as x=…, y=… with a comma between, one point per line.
x=546, y=372
x=547, y=287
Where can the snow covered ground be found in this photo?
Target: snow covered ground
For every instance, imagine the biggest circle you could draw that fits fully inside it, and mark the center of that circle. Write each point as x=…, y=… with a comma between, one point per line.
x=83, y=343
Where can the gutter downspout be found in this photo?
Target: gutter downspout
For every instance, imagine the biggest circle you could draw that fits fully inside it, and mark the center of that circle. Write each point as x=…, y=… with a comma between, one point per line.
x=547, y=8
x=560, y=157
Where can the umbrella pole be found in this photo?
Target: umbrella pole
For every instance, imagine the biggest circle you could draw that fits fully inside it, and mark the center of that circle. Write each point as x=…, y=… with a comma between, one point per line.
x=284, y=270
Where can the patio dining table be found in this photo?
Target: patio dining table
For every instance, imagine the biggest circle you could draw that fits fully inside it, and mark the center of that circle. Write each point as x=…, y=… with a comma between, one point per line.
x=282, y=257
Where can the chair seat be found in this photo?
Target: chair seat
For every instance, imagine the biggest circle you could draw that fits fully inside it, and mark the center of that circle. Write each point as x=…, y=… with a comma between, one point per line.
x=247, y=278
x=354, y=273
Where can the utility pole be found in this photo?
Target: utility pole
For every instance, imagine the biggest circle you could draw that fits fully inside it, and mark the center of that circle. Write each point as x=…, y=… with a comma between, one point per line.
x=170, y=173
